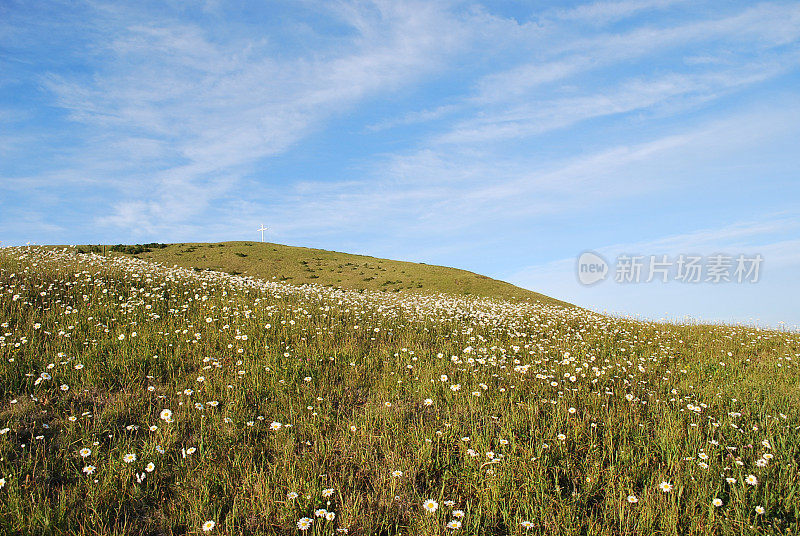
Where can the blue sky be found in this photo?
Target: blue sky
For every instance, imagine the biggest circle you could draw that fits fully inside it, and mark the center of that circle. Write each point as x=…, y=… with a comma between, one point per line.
x=503, y=137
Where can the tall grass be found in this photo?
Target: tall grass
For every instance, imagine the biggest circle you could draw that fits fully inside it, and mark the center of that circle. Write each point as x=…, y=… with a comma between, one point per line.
x=291, y=402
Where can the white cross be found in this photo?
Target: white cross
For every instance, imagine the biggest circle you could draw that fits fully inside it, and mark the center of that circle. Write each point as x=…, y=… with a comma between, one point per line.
x=262, y=231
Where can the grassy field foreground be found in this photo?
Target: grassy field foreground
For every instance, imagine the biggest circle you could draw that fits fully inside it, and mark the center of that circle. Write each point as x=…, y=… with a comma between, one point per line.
x=139, y=399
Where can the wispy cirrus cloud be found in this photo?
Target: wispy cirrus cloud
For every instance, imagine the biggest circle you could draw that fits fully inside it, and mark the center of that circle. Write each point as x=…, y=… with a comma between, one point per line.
x=542, y=115
x=438, y=193
x=205, y=110
x=749, y=31
x=598, y=13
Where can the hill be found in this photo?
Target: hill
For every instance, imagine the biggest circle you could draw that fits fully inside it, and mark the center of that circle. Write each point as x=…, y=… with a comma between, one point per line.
x=143, y=399
x=299, y=265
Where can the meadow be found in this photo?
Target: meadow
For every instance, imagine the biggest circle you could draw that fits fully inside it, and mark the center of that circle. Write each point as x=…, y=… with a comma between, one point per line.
x=141, y=398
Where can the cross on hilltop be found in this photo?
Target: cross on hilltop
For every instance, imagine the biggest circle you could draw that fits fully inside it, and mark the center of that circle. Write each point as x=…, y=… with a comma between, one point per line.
x=262, y=231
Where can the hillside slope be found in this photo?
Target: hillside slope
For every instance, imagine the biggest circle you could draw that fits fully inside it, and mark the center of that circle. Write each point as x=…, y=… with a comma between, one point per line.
x=298, y=265
x=142, y=399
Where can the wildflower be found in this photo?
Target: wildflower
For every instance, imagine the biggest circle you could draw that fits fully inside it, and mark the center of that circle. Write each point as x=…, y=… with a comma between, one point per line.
x=292, y=495
x=561, y=437
x=633, y=499
x=717, y=502
x=458, y=513
x=129, y=458
x=85, y=452
x=275, y=426
x=89, y=469
x=397, y=474
x=666, y=487
x=330, y=516
x=208, y=526
x=730, y=480
x=353, y=428
x=166, y=415
x=450, y=503
x=150, y=467
x=320, y=513
x=752, y=480
x=572, y=410
x=430, y=506
x=304, y=523
x=327, y=492
x=2, y=483
x=428, y=402
x=760, y=509
x=526, y=525
x=453, y=525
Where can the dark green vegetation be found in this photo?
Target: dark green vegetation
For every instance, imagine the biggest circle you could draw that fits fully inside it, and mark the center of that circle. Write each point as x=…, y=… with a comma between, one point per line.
x=133, y=249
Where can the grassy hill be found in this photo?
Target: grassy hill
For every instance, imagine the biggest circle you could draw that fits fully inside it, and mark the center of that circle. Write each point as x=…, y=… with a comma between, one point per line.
x=298, y=265
x=146, y=400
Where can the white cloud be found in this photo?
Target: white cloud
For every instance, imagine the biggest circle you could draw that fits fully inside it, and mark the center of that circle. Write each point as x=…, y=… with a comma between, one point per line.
x=411, y=118
x=443, y=194
x=209, y=110
x=538, y=116
x=604, y=12
x=756, y=28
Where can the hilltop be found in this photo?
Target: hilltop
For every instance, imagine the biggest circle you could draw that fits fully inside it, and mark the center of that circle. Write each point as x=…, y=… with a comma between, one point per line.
x=299, y=265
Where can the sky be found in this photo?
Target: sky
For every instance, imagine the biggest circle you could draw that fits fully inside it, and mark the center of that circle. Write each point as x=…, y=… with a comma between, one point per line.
x=505, y=138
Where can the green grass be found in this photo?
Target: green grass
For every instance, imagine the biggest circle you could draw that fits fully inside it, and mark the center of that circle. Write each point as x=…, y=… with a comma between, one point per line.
x=297, y=265
x=576, y=411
